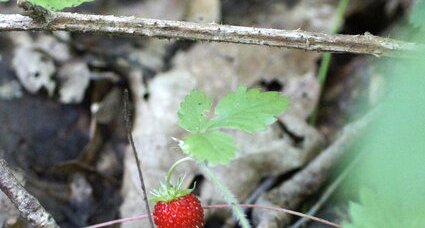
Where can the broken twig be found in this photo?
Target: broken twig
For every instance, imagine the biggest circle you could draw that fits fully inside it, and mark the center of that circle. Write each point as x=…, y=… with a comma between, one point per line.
x=29, y=207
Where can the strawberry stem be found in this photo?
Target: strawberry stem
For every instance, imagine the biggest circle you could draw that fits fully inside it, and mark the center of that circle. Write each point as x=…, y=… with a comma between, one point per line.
x=173, y=167
x=227, y=195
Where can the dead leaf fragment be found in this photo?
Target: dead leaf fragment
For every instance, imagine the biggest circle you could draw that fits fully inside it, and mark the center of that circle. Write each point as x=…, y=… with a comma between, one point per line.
x=74, y=79
x=34, y=69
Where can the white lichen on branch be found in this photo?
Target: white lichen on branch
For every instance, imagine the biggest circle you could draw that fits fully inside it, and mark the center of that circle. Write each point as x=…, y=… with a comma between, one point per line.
x=358, y=44
x=29, y=207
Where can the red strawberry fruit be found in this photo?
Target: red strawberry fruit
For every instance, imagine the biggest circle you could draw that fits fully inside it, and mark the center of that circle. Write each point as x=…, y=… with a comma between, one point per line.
x=185, y=212
x=177, y=208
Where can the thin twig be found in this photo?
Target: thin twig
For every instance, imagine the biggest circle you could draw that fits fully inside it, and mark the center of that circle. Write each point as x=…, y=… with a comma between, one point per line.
x=73, y=22
x=29, y=207
x=140, y=217
x=128, y=124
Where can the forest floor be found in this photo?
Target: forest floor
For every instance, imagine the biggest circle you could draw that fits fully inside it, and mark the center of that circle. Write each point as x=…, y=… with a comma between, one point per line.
x=62, y=120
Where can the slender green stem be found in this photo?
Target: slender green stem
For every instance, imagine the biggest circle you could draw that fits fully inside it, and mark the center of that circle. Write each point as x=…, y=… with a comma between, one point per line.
x=324, y=68
x=340, y=13
x=326, y=57
x=227, y=195
x=324, y=65
x=173, y=167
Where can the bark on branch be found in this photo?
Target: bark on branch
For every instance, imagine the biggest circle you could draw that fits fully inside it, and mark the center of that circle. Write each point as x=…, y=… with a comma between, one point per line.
x=358, y=44
x=27, y=205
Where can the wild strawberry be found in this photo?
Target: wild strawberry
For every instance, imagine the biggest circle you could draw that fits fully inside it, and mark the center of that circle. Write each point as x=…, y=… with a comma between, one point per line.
x=177, y=208
x=185, y=212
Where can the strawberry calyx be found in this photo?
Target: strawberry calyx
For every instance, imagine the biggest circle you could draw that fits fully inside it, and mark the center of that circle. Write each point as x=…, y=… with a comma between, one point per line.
x=168, y=192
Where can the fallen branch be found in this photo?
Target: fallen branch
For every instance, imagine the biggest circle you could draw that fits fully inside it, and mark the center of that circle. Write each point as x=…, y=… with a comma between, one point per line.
x=73, y=22
x=27, y=205
x=310, y=179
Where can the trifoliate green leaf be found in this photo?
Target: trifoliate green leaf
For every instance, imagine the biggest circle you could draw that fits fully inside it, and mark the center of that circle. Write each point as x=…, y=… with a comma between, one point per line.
x=58, y=4
x=417, y=17
x=248, y=110
x=192, y=111
x=214, y=147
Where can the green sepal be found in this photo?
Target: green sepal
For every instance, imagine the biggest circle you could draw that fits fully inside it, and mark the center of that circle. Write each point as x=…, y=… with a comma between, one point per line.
x=169, y=193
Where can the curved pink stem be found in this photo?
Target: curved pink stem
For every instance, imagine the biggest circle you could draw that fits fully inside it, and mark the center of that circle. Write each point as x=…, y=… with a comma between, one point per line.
x=218, y=206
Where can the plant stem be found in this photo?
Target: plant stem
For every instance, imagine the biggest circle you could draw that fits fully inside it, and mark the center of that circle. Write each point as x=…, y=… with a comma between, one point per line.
x=227, y=195
x=326, y=57
x=324, y=65
x=278, y=209
x=218, y=206
x=324, y=68
x=173, y=167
